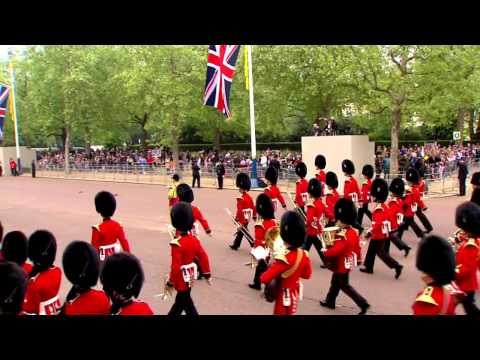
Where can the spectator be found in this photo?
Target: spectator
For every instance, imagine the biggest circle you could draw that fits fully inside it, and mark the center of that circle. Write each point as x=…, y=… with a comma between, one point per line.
x=13, y=167
x=195, y=174
x=220, y=174
x=462, y=176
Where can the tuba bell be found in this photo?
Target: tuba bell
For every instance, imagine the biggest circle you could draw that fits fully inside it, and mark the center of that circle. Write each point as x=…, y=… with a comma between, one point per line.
x=328, y=235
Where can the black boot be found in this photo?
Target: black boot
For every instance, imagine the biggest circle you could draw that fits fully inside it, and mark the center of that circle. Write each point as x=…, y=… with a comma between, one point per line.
x=363, y=309
x=327, y=304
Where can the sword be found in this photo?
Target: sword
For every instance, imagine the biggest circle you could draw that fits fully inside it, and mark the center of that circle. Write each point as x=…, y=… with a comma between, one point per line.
x=240, y=228
x=299, y=210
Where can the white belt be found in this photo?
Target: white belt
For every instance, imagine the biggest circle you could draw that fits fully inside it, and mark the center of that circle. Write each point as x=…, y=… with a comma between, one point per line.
x=104, y=250
x=50, y=307
x=189, y=273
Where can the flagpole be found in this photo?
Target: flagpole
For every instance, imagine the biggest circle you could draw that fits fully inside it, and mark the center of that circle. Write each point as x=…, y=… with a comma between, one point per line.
x=252, y=118
x=17, y=142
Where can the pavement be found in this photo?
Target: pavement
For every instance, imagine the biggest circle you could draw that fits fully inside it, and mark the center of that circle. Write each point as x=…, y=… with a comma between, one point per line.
x=66, y=208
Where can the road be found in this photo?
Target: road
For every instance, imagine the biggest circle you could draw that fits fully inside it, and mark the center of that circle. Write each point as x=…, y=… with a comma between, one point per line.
x=66, y=208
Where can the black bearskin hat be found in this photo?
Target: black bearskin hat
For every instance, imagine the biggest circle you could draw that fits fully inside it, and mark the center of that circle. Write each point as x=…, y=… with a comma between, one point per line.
x=379, y=190
x=182, y=216
x=475, y=179
x=1, y=232
x=368, y=171
x=271, y=175
x=413, y=176
x=348, y=167
x=292, y=229
x=332, y=180
x=315, y=188
x=301, y=169
x=14, y=247
x=320, y=162
x=123, y=274
x=397, y=187
x=185, y=193
x=345, y=211
x=42, y=248
x=175, y=177
x=435, y=257
x=476, y=196
x=467, y=218
x=264, y=206
x=81, y=264
x=105, y=204
x=243, y=181
x=12, y=291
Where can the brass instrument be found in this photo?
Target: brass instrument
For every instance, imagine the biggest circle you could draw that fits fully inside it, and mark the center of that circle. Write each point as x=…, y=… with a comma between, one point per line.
x=328, y=236
x=298, y=208
x=171, y=231
x=274, y=242
x=167, y=290
x=240, y=227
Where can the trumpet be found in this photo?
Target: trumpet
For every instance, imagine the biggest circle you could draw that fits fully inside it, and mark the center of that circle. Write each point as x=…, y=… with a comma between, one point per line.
x=167, y=290
x=240, y=227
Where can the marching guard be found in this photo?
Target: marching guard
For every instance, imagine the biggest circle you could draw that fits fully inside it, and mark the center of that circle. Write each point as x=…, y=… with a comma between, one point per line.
x=245, y=208
x=395, y=206
x=343, y=256
x=301, y=188
x=320, y=165
x=108, y=237
x=15, y=249
x=331, y=197
x=12, y=291
x=172, y=191
x=367, y=172
x=350, y=187
x=410, y=206
x=185, y=194
x=289, y=266
x=419, y=184
x=380, y=231
x=272, y=190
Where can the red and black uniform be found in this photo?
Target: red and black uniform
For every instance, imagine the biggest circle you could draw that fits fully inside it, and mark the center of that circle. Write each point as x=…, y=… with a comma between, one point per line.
x=322, y=177
x=345, y=253
x=410, y=206
x=395, y=205
x=301, y=194
x=330, y=200
x=172, y=195
x=421, y=189
x=434, y=300
x=365, y=200
x=135, y=307
x=316, y=211
x=261, y=228
x=350, y=189
x=185, y=249
x=289, y=268
x=91, y=302
x=109, y=238
x=273, y=192
x=380, y=233
x=418, y=190
x=245, y=212
x=467, y=258
x=42, y=293
x=197, y=218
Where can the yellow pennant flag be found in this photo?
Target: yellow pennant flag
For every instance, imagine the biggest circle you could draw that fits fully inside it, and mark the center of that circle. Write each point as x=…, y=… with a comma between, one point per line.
x=247, y=82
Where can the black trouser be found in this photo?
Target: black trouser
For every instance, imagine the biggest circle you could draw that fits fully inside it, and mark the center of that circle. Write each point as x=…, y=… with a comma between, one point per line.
x=196, y=179
x=469, y=304
x=341, y=282
x=397, y=241
x=364, y=211
x=317, y=243
x=14, y=171
x=424, y=220
x=462, y=186
x=259, y=270
x=183, y=302
x=238, y=237
x=220, y=182
x=409, y=222
x=377, y=247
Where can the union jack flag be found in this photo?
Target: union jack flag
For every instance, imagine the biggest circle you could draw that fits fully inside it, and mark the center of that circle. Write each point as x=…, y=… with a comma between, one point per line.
x=4, y=92
x=220, y=72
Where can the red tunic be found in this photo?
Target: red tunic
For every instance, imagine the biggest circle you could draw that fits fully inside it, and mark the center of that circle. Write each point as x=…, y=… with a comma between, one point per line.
x=27, y=267
x=315, y=212
x=330, y=200
x=351, y=187
x=381, y=226
x=434, y=300
x=261, y=228
x=421, y=191
x=105, y=237
x=346, y=249
x=467, y=265
x=136, y=307
x=185, y=250
x=291, y=283
x=301, y=192
x=365, y=193
x=395, y=205
x=245, y=209
x=409, y=205
x=91, y=302
x=42, y=293
x=322, y=177
x=197, y=218
x=273, y=192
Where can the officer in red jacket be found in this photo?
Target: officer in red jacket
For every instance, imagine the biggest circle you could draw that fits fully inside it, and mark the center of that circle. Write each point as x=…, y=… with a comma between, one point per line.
x=43, y=288
x=108, y=237
x=350, y=187
x=81, y=266
x=395, y=206
x=345, y=251
x=290, y=265
x=301, y=187
x=410, y=205
x=245, y=207
x=320, y=165
x=380, y=231
x=436, y=262
x=331, y=197
x=467, y=218
x=122, y=278
x=13, y=288
x=367, y=172
x=185, y=249
x=316, y=214
x=265, y=222
x=185, y=193
x=272, y=190
x=15, y=249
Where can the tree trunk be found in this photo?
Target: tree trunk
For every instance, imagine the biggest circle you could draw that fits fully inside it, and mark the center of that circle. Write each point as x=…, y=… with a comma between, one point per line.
x=471, y=119
x=217, y=137
x=460, y=123
x=477, y=132
x=144, y=131
x=66, y=147
x=88, y=140
x=175, y=153
x=394, y=134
